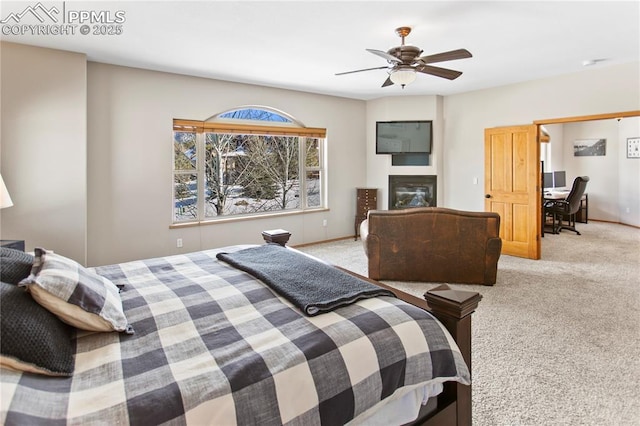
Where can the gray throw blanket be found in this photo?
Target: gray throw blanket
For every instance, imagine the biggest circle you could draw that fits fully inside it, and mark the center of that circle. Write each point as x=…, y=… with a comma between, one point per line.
x=312, y=286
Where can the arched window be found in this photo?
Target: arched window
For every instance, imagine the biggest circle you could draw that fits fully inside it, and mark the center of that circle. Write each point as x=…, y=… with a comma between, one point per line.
x=255, y=114
x=244, y=162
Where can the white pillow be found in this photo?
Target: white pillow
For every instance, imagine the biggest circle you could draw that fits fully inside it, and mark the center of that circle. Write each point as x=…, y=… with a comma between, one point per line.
x=75, y=294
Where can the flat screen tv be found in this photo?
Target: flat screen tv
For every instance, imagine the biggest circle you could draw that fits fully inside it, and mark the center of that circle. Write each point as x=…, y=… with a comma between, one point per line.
x=403, y=137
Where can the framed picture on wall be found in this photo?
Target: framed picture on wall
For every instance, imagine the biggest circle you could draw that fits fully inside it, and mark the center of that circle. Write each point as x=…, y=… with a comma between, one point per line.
x=633, y=147
x=589, y=147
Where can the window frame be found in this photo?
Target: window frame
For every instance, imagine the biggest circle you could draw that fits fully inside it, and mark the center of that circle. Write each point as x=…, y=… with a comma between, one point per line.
x=247, y=127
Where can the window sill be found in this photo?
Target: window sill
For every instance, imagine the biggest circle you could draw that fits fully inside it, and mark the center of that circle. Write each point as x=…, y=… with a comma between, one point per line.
x=231, y=219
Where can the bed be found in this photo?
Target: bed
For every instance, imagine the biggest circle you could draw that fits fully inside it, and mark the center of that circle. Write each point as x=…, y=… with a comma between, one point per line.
x=203, y=340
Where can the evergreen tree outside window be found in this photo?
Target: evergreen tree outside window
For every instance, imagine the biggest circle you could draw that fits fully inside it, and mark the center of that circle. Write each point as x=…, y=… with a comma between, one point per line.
x=245, y=162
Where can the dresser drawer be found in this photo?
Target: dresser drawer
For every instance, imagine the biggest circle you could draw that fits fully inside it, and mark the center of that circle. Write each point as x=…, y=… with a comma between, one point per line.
x=366, y=199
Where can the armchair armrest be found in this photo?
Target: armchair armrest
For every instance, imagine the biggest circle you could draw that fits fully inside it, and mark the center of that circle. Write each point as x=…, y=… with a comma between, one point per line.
x=364, y=235
x=555, y=203
x=559, y=206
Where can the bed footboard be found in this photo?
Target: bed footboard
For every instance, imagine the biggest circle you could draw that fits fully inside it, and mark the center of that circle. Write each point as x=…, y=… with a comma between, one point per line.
x=453, y=308
x=277, y=236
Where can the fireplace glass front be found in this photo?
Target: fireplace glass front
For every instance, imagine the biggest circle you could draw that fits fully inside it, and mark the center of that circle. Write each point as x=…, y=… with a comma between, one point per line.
x=412, y=191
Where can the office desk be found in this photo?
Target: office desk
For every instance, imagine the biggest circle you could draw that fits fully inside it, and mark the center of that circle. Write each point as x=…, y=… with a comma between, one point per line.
x=555, y=195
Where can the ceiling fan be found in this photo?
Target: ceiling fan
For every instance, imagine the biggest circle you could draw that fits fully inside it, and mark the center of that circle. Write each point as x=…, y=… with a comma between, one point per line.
x=404, y=61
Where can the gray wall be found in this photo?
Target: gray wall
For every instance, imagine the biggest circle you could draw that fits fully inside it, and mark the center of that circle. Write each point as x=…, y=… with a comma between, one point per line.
x=595, y=91
x=379, y=166
x=130, y=156
x=86, y=154
x=614, y=179
x=43, y=148
x=86, y=149
x=459, y=154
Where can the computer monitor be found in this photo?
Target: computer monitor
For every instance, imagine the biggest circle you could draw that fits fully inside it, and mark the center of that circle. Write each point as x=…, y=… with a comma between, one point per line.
x=547, y=180
x=559, y=179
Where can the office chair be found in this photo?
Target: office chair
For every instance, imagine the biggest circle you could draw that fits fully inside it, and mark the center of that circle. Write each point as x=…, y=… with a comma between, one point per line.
x=558, y=209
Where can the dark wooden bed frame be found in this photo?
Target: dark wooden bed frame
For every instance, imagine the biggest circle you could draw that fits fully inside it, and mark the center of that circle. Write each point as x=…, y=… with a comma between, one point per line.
x=453, y=308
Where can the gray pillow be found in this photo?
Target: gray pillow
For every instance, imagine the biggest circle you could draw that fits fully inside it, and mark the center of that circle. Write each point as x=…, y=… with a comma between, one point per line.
x=15, y=265
x=77, y=295
x=33, y=339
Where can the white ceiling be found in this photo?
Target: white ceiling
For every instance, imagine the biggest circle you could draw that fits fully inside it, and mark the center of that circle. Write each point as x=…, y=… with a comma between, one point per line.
x=301, y=45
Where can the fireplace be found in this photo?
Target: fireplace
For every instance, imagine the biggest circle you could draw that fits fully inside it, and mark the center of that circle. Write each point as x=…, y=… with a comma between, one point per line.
x=412, y=191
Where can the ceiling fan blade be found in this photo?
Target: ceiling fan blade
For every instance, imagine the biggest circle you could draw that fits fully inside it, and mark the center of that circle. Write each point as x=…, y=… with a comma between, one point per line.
x=439, y=72
x=384, y=55
x=445, y=56
x=366, y=69
x=387, y=82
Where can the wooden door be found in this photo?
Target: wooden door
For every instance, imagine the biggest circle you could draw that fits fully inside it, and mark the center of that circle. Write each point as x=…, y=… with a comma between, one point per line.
x=512, y=187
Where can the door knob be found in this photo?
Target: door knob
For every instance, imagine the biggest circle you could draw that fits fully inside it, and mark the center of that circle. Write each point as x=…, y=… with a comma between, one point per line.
x=487, y=196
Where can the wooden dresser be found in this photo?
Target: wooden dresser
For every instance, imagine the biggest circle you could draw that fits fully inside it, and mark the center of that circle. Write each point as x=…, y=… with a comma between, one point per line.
x=366, y=199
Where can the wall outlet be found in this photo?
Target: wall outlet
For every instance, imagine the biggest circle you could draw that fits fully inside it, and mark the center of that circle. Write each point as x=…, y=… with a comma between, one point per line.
x=179, y=242
x=475, y=180
x=628, y=210
x=324, y=222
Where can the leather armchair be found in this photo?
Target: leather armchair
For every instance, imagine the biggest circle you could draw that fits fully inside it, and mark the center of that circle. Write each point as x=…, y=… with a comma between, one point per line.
x=432, y=244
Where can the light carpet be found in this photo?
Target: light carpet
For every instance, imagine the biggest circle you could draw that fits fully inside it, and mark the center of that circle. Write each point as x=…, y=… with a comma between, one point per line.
x=556, y=341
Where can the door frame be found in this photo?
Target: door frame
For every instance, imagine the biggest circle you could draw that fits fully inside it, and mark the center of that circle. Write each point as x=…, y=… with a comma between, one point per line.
x=577, y=119
x=607, y=116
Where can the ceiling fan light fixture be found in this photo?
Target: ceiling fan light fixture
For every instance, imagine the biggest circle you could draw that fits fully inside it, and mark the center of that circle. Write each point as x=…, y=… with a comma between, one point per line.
x=403, y=75
x=404, y=62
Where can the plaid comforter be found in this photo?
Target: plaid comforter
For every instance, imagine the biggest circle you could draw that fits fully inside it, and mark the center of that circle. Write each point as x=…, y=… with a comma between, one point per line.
x=213, y=345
